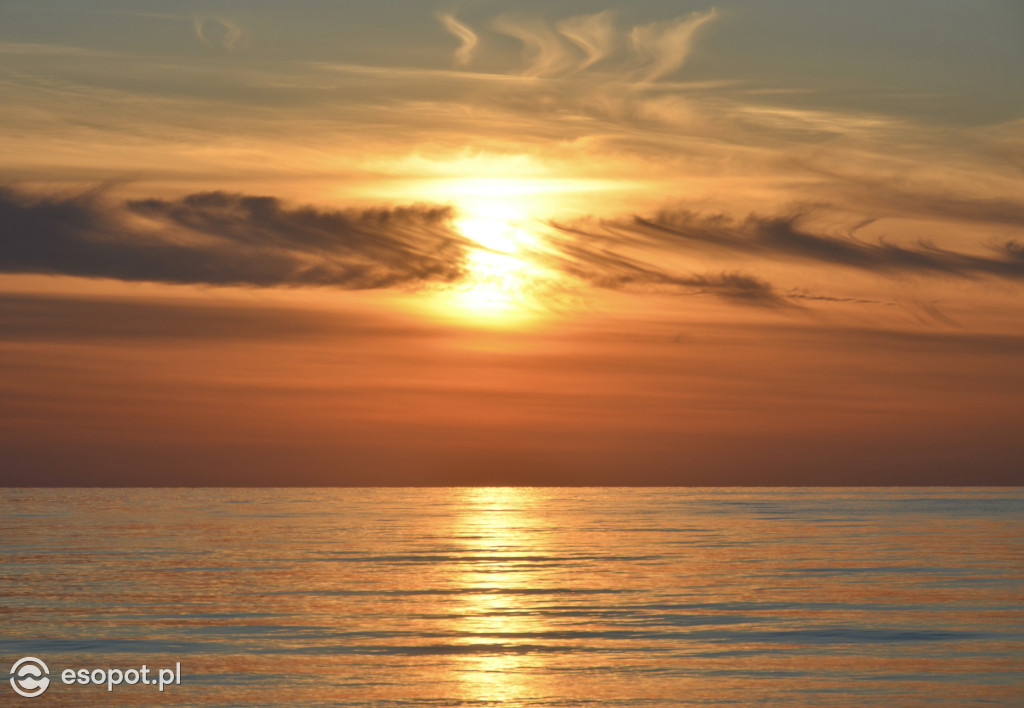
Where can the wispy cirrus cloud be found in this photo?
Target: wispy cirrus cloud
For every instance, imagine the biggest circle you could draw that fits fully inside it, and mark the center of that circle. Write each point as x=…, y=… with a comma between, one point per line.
x=665, y=46
x=604, y=264
x=574, y=44
x=594, y=34
x=218, y=31
x=25, y=317
x=545, y=52
x=789, y=238
x=38, y=49
x=468, y=39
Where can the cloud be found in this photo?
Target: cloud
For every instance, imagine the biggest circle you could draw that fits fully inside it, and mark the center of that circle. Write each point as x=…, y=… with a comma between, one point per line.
x=230, y=33
x=665, y=46
x=903, y=192
x=35, y=49
x=45, y=318
x=784, y=237
x=467, y=37
x=593, y=34
x=28, y=317
x=545, y=51
x=604, y=267
x=217, y=238
x=660, y=47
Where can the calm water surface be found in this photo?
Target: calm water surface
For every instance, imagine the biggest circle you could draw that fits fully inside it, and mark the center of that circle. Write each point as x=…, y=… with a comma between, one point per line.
x=520, y=597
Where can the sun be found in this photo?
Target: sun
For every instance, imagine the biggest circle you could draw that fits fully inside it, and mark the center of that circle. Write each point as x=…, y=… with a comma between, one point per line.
x=502, y=275
x=507, y=281
x=499, y=275
x=497, y=284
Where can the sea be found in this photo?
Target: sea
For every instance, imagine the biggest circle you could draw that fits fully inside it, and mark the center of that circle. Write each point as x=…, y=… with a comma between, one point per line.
x=512, y=597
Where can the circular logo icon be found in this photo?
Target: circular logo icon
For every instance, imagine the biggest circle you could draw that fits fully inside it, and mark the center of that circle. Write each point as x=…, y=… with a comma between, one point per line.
x=29, y=677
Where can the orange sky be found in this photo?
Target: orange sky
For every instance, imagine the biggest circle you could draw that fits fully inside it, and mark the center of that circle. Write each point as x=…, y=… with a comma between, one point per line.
x=497, y=243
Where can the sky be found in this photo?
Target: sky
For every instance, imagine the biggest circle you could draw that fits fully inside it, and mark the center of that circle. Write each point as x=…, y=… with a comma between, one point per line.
x=511, y=243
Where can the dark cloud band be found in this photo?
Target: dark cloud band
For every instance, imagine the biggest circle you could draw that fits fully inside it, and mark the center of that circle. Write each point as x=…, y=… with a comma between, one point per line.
x=217, y=238
x=785, y=238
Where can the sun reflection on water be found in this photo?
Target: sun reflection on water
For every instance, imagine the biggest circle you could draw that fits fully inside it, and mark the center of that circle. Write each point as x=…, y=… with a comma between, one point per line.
x=498, y=530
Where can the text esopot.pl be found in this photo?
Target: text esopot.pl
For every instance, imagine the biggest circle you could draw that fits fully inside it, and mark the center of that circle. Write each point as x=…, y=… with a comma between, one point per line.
x=115, y=677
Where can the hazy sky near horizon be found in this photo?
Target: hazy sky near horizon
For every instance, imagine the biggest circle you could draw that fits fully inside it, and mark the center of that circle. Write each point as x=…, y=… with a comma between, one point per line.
x=314, y=242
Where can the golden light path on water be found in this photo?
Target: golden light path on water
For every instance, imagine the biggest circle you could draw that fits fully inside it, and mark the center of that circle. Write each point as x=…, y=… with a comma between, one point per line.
x=496, y=525
x=457, y=597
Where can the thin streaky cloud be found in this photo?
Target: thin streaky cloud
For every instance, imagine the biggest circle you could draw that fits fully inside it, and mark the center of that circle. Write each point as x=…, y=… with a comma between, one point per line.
x=232, y=31
x=665, y=46
x=544, y=50
x=466, y=36
x=34, y=317
x=197, y=25
x=33, y=48
x=604, y=267
x=786, y=237
x=593, y=34
x=416, y=73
